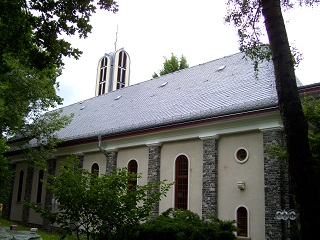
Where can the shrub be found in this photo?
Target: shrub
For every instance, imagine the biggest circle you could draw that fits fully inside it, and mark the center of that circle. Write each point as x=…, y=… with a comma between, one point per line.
x=185, y=225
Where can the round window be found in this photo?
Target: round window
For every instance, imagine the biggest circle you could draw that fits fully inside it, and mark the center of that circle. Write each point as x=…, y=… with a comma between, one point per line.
x=241, y=155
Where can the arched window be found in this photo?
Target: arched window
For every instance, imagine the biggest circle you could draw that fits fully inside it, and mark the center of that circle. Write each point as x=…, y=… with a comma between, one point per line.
x=122, y=68
x=103, y=75
x=133, y=168
x=39, y=190
x=181, y=183
x=21, y=175
x=95, y=169
x=242, y=222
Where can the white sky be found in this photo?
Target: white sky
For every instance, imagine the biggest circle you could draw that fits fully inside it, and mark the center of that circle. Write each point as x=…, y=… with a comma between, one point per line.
x=151, y=29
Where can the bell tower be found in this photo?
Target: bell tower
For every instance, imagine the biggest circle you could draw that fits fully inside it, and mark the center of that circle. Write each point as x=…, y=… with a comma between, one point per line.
x=113, y=72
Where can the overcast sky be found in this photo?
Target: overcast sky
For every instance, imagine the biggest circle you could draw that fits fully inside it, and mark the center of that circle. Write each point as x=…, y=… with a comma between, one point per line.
x=151, y=29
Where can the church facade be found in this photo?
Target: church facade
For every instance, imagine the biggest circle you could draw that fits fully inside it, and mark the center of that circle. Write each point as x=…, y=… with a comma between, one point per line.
x=207, y=128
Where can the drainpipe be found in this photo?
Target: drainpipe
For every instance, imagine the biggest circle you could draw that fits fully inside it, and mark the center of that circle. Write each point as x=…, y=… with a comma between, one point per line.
x=100, y=148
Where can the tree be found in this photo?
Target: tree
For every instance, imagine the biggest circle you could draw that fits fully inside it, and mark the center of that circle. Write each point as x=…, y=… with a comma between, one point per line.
x=305, y=180
x=32, y=48
x=171, y=65
x=105, y=207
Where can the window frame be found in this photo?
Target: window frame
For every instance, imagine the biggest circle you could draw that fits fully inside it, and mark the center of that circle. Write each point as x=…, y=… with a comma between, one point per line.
x=133, y=169
x=95, y=170
x=181, y=190
x=238, y=157
x=122, y=69
x=240, y=225
x=40, y=186
x=103, y=75
x=20, y=186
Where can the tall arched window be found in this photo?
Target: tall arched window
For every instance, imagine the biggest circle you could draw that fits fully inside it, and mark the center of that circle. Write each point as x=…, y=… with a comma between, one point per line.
x=39, y=190
x=242, y=222
x=133, y=168
x=95, y=169
x=122, y=68
x=181, y=182
x=103, y=75
x=19, y=196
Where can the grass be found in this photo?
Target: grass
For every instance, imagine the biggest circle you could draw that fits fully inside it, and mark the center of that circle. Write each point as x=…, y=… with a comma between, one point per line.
x=44, y=235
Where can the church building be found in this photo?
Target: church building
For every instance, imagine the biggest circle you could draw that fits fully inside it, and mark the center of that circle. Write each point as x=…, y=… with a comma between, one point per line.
x=207, y=128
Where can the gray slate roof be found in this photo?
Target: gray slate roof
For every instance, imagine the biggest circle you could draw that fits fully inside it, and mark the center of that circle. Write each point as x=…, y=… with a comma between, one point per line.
x=193, y=93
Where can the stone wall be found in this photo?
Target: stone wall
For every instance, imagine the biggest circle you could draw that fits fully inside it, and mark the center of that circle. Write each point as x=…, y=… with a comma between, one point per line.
x=154, y=171
x=276, y=185
x=210, y=177
x=111, y=160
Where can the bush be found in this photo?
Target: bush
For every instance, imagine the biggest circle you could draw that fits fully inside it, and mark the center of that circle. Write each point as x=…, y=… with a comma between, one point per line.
x=185, y=225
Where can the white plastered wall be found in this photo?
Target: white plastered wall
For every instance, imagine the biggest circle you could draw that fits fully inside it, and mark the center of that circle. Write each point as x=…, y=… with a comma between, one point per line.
x=95, y=157
x=33, y=216
x=115, y=69
x=17, y=207
x=251, y=172
x=141, y=155
x=107, y=76
x=193, y=150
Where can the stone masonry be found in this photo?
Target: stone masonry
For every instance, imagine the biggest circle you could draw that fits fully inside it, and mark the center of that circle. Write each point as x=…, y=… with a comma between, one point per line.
x=111, y=160
x=154, y=170
x=210, y=177
x=276, y=185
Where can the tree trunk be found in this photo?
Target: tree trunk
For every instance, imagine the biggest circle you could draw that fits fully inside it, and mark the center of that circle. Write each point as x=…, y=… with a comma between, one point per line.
x=304, y=179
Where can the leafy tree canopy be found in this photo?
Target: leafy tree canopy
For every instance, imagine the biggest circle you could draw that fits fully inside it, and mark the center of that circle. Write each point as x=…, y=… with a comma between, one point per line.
x=104, y=207
x=247, y=17
x=171, y=65
x=32, y=47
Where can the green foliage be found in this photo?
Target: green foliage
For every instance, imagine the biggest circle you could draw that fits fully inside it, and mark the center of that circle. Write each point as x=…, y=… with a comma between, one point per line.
x=247, y=17
x=5, y=174
x=311, y=110
x=171, y=65
x=32, y=48
x=43, y=141
x=33, y=28
x=185, y=225
x=104, y=207
x=277, y=151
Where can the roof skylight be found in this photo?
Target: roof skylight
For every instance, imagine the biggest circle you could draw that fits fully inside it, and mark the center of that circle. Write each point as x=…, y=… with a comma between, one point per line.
x=222, y=67
x=163, y=84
